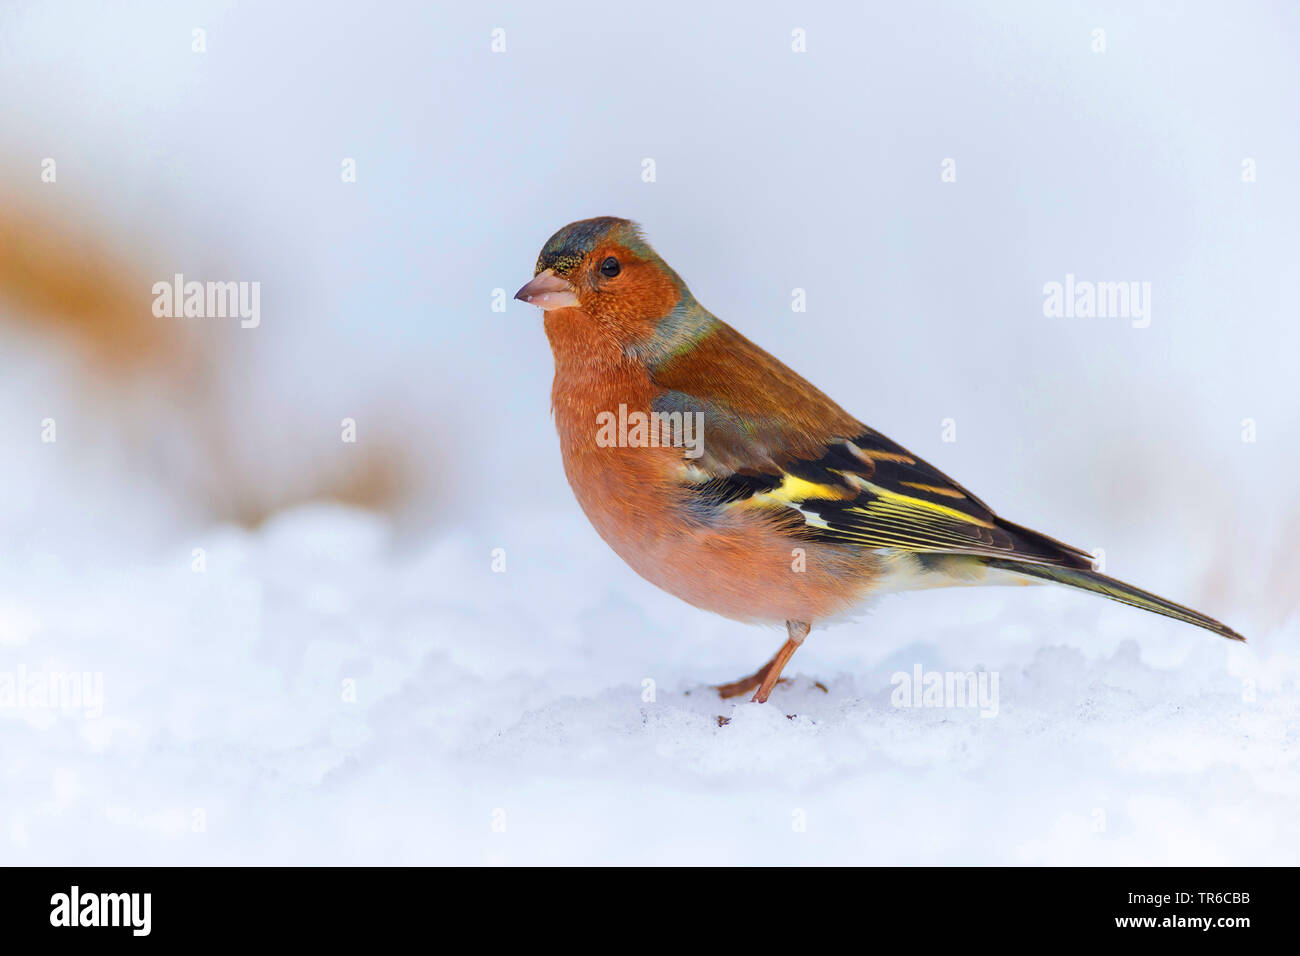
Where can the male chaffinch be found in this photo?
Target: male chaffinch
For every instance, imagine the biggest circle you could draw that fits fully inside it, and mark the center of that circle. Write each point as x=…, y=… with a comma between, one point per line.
x=785, y=507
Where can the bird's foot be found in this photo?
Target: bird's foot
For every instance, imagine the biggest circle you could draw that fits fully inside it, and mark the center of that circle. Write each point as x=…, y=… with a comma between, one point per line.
x=769, y=675
x=744, y=685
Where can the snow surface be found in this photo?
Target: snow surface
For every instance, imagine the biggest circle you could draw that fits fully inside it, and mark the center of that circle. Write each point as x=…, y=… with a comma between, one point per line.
x=501, y=718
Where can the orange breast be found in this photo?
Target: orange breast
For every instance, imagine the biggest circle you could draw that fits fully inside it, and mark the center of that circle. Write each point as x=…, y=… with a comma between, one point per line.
x=743, y=565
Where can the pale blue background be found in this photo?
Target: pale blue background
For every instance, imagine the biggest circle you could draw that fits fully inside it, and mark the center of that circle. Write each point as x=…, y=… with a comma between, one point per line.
x=775, y=170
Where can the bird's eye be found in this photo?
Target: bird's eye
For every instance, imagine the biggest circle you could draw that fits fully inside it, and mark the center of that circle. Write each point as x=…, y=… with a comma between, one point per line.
x=609, y=268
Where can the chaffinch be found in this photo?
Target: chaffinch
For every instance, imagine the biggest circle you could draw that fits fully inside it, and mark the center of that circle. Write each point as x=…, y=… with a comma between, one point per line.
x=724, y=478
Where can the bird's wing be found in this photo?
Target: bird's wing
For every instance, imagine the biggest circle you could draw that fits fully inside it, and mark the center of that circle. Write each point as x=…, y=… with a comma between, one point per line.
x=773, y=442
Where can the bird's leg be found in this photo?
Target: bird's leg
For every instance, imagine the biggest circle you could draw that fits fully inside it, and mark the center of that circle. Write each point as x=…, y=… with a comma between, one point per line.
x=745, y=684
x=797, y=631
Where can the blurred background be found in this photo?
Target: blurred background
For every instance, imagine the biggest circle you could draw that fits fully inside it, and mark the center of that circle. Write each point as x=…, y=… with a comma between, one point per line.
x=209, y=139
x=1103, y=140
x=219, y=155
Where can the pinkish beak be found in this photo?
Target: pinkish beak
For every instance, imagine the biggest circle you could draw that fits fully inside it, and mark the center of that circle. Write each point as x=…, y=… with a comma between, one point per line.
x=549, y=292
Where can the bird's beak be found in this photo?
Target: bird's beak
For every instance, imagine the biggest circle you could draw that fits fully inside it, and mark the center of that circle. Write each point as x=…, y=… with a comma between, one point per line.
x=548, y=291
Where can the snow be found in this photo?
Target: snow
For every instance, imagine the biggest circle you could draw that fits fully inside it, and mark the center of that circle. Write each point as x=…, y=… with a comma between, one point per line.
x=503, y=717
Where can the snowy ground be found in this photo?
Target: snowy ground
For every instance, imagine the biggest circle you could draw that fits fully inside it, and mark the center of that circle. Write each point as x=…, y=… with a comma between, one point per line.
x=316, y=695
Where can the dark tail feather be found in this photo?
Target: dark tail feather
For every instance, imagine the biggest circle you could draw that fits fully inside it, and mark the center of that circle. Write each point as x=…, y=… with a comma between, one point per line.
x=1116, y=591
x=1039, y=547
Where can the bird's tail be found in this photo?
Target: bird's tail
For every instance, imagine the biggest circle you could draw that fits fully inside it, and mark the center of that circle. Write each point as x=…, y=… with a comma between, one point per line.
x=1115, y=590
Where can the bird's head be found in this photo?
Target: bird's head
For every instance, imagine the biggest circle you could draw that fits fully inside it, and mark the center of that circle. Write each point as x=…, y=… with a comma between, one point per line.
x=604, y=268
